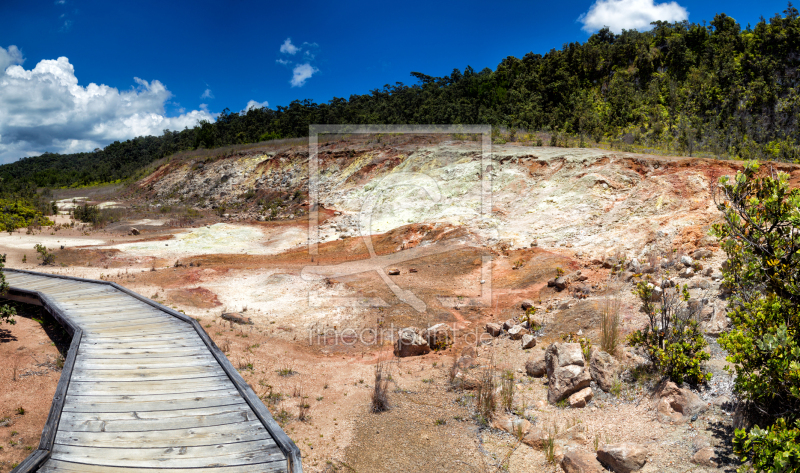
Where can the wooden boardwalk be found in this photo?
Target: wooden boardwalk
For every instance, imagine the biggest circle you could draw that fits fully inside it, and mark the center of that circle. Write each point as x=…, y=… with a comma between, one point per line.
x=144, y=389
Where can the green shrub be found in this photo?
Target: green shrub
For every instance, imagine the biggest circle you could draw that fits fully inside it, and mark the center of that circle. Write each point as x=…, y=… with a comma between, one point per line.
x=761, y=236
x=7, y=312
x=44, y=255
x=672, y=338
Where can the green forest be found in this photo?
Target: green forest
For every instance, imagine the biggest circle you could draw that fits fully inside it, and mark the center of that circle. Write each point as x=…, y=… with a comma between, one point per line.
x=717, y=87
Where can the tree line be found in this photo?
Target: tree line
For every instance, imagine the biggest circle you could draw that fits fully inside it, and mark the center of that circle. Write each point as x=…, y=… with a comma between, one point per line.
x=718, y=87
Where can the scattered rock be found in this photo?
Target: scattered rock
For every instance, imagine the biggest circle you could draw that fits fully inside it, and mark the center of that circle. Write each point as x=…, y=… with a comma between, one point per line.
x=623, y=458
x=578, y=461
x=517, y=331
x=686, y=260
x=134, y=231
x=705, y=457
x=535, y=437
x=511, y=424
x=700, y=254
x=657, y=293
x=581, y=398
x=565, y=371
x=494, y=329
x=528, y=341
x=394, y=272
x=602, y=368
x=535, y=366
x=686, y=273
x=526, y=304
x=674, y=404
x=560, y=283
x=237, y=318
x=410, y=343
x=438, y=336
x=508, y=324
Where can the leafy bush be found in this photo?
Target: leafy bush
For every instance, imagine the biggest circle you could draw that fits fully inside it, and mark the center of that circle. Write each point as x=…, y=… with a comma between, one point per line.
x=761, y=236
x=7, y=312
x=672, y=338
x=44, y=255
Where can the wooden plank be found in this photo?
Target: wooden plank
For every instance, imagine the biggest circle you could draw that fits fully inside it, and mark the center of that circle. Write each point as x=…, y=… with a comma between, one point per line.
x=144, y=363
x=178, y=331
x=112, y=344
x=184, y=335
x=153, y=387
x=58, y=466
x=141, y=352
x=33, y=461
x=242, y=453
x=64, y=382
x=74, y=404
x=154, y=416
x=133, y=323
x=122, y=398
x=151, y=374
x=86, y=424
x=131, y=331
x=230, y=433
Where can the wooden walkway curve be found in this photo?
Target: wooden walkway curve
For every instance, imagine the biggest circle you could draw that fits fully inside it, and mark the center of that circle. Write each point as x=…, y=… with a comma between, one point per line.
x=144, y=389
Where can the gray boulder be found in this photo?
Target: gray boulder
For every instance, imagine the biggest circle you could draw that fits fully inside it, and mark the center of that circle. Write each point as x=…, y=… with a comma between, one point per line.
x=565, y=371
x=535, y=366
x=623, y=458
x=410, y=343
x=602, y=368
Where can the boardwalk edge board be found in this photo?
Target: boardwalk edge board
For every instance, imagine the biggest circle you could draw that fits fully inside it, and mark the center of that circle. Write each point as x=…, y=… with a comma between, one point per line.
x=42, y=454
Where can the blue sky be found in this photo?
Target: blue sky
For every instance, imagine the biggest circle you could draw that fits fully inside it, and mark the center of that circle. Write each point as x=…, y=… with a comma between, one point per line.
x=162, y=64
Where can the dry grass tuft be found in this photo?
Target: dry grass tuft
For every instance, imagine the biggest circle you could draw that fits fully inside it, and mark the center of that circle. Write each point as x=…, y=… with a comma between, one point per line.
x=380, y=393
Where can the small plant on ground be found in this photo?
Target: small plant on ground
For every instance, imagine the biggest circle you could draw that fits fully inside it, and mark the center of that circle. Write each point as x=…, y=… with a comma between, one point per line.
x=485, y=402
x=609, y=322
x=7, y=312
x=44, y=255
x=380, y=392
x=507, y=390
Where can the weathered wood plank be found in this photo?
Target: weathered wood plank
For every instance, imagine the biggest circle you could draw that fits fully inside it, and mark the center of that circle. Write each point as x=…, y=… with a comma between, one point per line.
x=242, y=453
x=152, y=374
x=199, y=436
x=58, y=466
x=73, y=405
x=145, y=387
x=83, y=423
x=132, y=363
x=122, y=398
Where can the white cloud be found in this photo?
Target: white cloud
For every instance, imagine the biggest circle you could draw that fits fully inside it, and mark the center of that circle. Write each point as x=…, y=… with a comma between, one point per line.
x=288, y=48
x=9, y=57
x=207, y=94
x=44, y=109
x=253, y=104
x=301, y=73
x=283, y=61
x=630, y=14
x=67, y=26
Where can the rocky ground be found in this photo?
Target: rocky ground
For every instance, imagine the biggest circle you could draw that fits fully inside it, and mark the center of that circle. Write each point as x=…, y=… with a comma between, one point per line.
x=567, y=231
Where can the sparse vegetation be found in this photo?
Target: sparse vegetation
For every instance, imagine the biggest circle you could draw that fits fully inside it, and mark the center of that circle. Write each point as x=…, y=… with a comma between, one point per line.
x=45, y=256
x=7, y=312
x=672, y=338
x=380, y=391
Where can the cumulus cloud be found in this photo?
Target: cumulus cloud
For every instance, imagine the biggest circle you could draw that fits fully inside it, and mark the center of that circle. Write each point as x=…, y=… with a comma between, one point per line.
x=9, y=57
x=630, y=14
x=288, y=48
x=207, y=94
x=283, y=61
x=253, y=104
x=301, y=73
x=44, y=109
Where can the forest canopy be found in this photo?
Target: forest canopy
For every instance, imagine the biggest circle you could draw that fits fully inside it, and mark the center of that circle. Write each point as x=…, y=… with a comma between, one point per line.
x=718, y=87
